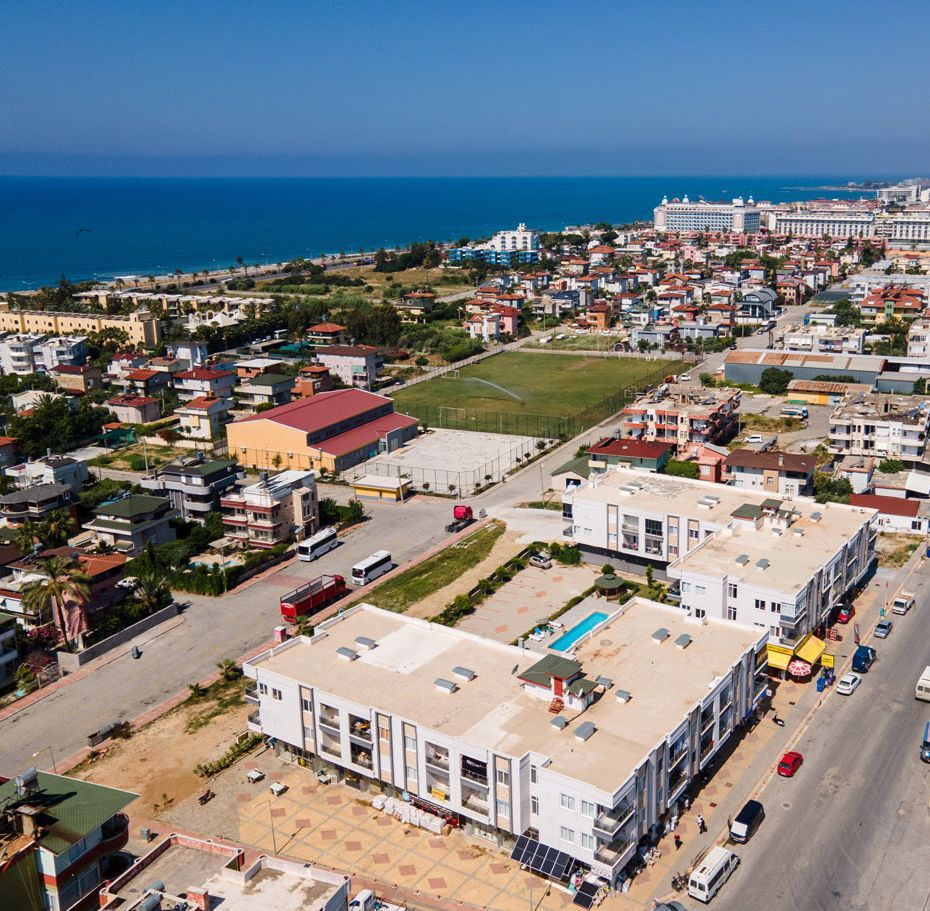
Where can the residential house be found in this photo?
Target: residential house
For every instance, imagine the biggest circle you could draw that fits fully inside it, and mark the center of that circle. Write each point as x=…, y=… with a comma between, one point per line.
x=9, y=451
x=256, y=366
x=132, y=408
x=202, y=419
x=277, y=509
x=194, y=486
x=74, y=378
x=880, y=424
x=331, y=431
x=33, y=504
x=414, y=307
x=312, y=380
x=884, y=303
x=50, y=469
x=324, y=334
x=60, y=841
x=130, y=523
x=205, y=382
x=783, y=473
x=146, y=381
x=124, y=362
x=190, y=352
x=683, y=417
x=896, y=515
x=611, y=451
x=484, y=326
x=266, y=389
x=355, y=365
x=34, y=352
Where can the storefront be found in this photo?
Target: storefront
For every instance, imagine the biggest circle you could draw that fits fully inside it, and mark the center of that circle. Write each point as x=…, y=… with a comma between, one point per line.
x=798, y=663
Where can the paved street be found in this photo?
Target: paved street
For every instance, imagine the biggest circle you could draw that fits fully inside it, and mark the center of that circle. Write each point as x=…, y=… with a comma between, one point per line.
x=849, y=832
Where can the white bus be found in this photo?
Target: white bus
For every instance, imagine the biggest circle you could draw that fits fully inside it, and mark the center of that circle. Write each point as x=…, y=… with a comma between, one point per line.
x=710, y=875
x=371, y=567
x=922, y=690
x=317, y=545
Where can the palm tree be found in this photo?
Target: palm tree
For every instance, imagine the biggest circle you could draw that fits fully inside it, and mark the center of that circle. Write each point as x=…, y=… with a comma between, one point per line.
x=26, y=537
x=151, y=590
x=65, y=581
x=57, y=527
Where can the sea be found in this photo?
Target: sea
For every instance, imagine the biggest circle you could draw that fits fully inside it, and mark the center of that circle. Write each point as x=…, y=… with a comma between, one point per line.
x=102, y=228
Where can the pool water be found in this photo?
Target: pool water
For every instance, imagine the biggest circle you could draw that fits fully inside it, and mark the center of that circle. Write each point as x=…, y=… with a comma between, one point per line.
x=568, y=639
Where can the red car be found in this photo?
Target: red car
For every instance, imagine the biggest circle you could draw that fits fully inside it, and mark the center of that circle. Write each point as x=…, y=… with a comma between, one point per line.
x=846, y=614
x=789, y=764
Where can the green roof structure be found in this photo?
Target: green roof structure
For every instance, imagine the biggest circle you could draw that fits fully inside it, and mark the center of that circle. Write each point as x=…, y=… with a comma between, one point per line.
x=130, y=507
x=542, y=672
x=68, y=808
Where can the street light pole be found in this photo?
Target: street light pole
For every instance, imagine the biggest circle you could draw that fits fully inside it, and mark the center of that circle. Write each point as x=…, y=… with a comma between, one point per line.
x=51, y=753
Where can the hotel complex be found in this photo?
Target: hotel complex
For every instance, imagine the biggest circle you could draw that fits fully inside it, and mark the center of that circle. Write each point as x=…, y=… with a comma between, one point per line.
x=736, y=217
x=583, y=751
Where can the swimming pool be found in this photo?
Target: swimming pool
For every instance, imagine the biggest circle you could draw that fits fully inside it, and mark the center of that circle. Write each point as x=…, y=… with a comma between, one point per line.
x=568, y=639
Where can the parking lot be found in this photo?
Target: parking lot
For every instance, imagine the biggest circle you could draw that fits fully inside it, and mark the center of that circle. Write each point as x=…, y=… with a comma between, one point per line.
x=459, y=459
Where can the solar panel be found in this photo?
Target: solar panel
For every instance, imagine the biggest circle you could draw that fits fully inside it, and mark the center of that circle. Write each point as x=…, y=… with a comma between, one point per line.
x=542, y=859
x=585, y=895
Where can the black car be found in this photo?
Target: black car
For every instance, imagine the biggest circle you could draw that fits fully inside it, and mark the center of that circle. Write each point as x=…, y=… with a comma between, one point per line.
x=747, y=821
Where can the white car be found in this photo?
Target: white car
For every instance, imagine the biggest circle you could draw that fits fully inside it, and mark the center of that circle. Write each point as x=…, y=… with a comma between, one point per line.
x=847, y=684
x=684, y=378
x=754, y=438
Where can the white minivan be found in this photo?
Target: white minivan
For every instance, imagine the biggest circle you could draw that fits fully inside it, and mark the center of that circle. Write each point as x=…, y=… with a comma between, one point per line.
x=317, y=545
x=710, y=875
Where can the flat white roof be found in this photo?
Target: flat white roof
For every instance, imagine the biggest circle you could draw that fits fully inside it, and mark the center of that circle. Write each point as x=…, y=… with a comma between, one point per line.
x=493, y=711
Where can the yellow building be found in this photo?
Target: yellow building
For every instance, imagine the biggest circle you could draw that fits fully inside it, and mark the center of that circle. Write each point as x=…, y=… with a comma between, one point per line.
x=331, y=431
x=374, y=487
x=142, y=327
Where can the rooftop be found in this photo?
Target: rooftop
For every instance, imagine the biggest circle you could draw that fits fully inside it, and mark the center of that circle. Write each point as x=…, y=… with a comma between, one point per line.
x=130, y=507
x=788, y=359
x=880, y=406
x=68, y=808
x=323, y=410
x=493, y=711
x=269, y=379
x=771, y=460
x=629, y=448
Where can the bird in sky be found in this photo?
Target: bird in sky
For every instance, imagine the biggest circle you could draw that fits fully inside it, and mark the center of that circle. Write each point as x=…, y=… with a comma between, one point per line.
x=80, y=231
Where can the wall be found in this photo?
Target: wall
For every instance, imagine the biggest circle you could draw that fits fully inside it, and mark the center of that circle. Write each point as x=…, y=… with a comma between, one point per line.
x=70, y=662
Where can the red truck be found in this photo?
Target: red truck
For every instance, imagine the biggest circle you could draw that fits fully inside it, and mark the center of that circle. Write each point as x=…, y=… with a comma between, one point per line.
x=462, y=516
x=313, y=596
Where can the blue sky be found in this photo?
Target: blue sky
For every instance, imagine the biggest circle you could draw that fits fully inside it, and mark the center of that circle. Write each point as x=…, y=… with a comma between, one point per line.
x=327, y=88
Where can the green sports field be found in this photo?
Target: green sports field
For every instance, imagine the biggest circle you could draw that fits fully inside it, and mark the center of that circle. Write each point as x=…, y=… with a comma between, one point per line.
x=535, y=394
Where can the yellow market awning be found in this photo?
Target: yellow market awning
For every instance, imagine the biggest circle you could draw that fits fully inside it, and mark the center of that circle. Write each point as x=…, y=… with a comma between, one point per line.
x=827, y=660
x=811, y=650
x=779, y=660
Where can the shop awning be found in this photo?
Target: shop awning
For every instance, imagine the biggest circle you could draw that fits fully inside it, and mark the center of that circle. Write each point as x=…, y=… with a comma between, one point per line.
x=778, y=660
x=542, y=859
x=811, y=650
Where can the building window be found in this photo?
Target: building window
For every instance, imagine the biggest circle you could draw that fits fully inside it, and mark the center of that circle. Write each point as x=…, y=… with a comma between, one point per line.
x=503, y=777
x=306, y=705
x=588, y=808
x=732, y=590
x=731, y=612
x=534, y=806
x=567, y=834
x=276, y=695
x=567, y=803
x=263, y=689
x=700, y=613
x=410, y=743
x=587, y=841
x=760, y=604
x=775, y=607
x=503, y=809
x=534, y=774
x=411, y=774
x=775, y=632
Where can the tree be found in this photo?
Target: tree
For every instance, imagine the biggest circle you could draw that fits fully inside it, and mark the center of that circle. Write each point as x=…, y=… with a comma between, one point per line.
x=831, y=490
x=65, y=581
x=229, y=670
x=846, y=313
x=607, y=569
x=775, y=381
x=890, y=466
x=680, y=469
x=708, y=380
x=353, y=513
x=56, y=528
x=152, y=591
x=26, y=537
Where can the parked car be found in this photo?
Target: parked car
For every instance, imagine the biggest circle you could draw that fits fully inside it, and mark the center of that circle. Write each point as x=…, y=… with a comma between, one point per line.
x=754, y=438
x=863, y=659
x=540, y=561
x=790, y=763
x=684, y=378
x=847, y=684
x=747, y=821
x=847, y=612
x=883, y=628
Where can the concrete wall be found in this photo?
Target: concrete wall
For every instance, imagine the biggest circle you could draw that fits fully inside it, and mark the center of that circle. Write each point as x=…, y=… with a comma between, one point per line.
x=71, y=661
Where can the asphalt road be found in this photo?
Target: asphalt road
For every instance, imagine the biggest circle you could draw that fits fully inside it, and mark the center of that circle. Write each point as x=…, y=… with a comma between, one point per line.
x=850, y=831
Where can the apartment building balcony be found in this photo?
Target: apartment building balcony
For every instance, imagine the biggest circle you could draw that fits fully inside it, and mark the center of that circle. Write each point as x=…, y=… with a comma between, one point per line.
x=114, y=834
x=609, y=822
x=475, y=800
x=254, y=722
x=361, y=757
x=615, y=853
x=437, y=758
x=251, y=695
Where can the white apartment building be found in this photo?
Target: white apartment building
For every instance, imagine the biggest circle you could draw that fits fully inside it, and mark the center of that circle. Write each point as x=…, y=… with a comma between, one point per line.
x=655, y=519
x=738, y=216
x=28, y=352
x=918, y=338
x=276, y=509
x=902, y=193
x=522, y=239
x=835, y=224
x=903, y=229
x=881, y=425
x=819, y=339
x=590, y=750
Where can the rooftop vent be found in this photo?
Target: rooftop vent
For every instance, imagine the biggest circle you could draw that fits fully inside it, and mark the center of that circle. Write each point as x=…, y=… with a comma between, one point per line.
x=623, y=696
x=762, y=564
x=799, y=532
x=683, y=641
x=464, y=673
x=444, y=686
x=365, y=643
x=605, y=682
x=660, y=635
x=742, y=559
x=816, y=516
x=560, y=722
x=584, y=731
x=346, y=653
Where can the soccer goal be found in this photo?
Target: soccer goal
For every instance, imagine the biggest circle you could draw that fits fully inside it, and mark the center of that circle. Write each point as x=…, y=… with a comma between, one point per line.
x=450, y=375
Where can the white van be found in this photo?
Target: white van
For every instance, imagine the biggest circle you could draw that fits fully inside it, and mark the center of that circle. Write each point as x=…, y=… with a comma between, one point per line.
x=321, y=543
x=713, y=871
x=922, y=690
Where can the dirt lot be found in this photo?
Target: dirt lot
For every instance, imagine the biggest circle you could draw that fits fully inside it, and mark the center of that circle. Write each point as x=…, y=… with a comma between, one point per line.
x=894, y=548
x=158, y=761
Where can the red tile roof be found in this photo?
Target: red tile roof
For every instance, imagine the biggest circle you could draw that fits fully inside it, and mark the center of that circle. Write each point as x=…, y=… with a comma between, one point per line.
x=365, y=435
x=72, y=369
x=347, y=350
x=130, y=399
x=6, y=441
x=141, y=374
x=327, y=327
x=203, y=402
x=891, y=506
x=321, y=410
x=633, y=449
x=203, y=373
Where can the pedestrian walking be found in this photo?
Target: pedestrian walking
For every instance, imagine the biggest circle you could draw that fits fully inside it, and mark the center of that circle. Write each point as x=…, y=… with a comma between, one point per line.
x=678, y=842
x=702, y=826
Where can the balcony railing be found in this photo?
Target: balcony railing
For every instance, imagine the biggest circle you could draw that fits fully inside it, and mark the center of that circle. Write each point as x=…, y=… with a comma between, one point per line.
x=611, y=821
x=614, y=852
x=474, y=802
x=251, y=695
